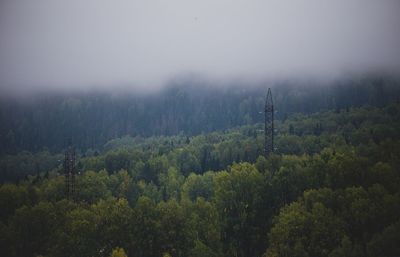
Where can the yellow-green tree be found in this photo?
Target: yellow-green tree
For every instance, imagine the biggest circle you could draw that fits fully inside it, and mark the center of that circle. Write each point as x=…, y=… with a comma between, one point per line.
x=118, y=252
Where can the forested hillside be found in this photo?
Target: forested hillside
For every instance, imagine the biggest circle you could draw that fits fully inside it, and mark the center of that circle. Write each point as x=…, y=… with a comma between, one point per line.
x=330, y=189
x=203, y=128
x=188, y=106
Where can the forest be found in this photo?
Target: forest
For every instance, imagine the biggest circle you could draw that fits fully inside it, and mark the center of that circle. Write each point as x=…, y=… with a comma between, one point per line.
x=177, y=128
x=183, y=173
x=47, y=120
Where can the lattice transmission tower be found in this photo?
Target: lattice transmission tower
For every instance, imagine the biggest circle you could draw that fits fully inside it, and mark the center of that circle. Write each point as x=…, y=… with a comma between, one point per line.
x=69, y=172
x=269, y=124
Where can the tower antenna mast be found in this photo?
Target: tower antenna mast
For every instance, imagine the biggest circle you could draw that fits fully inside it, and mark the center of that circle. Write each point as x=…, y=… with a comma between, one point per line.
x=269, y=124
x=69, y=172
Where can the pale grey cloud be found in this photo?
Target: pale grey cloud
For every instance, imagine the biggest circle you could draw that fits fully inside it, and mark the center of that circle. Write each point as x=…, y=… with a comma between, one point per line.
x=100, y=43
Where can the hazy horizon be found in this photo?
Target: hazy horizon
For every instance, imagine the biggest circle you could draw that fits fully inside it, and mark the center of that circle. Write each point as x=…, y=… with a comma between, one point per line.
x=52, y=44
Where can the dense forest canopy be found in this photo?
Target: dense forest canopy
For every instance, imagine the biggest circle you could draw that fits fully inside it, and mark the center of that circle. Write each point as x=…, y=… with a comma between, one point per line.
x=331, y=188
x=144, y=128
x=190, y=106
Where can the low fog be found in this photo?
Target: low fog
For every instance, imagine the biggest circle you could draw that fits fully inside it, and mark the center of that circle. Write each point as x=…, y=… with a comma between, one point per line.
x=79, y=44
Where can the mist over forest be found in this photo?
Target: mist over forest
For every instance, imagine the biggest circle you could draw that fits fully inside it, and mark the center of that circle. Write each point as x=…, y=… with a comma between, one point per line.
x=189, y=107
x=184, y=128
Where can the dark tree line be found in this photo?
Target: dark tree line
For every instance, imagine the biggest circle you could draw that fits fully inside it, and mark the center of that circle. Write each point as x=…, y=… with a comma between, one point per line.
x=191, y=107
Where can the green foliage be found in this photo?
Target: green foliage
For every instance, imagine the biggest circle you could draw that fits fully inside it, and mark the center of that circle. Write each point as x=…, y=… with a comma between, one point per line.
x=386, y=242
x=305, y=232
x=117, y=160
x=237, y=197
x=93, y=186
x=336, y=223
x=330, y=189
x=11, y=198
x=198, y=186
x=118, y=252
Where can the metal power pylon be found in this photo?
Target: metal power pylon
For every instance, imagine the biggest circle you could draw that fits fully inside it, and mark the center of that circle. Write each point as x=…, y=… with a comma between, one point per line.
x=69, y=172
x=269, y=124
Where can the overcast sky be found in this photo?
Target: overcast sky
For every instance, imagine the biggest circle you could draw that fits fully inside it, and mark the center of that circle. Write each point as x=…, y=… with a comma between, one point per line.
x=101, y=43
